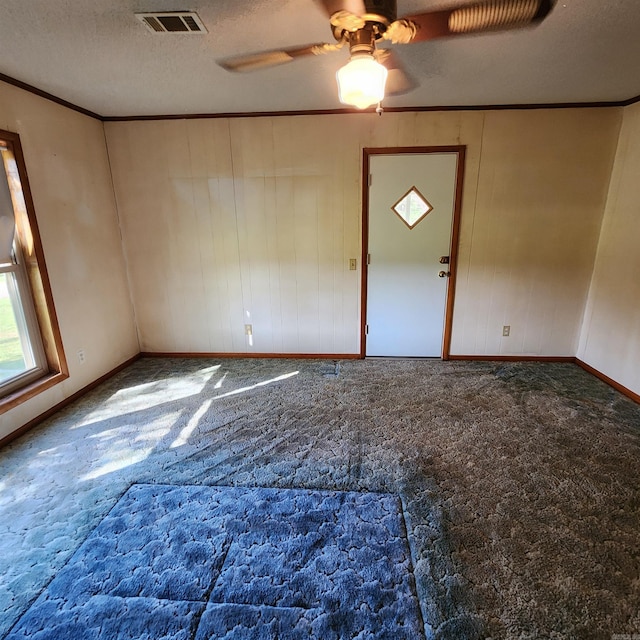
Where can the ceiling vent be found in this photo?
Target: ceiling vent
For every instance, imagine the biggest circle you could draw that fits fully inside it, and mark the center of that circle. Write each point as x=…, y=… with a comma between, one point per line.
x=172, y=22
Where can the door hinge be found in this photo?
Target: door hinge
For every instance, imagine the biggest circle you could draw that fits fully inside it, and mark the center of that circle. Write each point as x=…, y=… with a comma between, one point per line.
x=368, y=258
x=370, y=179
x=366, y=329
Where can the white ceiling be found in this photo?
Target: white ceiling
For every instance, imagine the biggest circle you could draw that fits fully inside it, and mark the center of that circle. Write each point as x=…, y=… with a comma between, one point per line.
x=97, y=55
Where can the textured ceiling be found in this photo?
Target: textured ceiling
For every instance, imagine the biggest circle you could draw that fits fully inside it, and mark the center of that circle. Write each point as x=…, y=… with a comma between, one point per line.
x=95, y=54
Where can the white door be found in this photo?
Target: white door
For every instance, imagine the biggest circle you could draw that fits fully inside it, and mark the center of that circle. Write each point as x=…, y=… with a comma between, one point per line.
x=406, y=296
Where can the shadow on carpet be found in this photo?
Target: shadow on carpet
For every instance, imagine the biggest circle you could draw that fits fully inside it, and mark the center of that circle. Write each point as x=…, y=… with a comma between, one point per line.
x=181, y=562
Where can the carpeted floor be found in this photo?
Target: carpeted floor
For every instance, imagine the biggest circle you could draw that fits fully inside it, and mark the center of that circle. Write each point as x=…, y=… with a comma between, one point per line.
x=176, y=562
x=519, y=482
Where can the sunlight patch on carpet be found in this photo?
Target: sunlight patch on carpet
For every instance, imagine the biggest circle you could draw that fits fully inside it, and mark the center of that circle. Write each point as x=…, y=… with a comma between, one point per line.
x=182, y=562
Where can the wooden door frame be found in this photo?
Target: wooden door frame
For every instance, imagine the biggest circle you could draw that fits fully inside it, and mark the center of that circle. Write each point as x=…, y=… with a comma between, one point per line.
x=460, y=151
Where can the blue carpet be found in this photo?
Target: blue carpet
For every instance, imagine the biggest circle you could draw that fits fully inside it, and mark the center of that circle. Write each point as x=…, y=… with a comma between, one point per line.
x=189, y=562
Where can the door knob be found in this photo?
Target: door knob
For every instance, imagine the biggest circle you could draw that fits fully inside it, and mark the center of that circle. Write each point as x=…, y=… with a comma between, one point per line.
x=444, y=274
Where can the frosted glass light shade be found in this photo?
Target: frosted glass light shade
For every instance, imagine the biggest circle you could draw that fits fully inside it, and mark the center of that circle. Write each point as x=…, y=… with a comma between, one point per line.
x=361, y=81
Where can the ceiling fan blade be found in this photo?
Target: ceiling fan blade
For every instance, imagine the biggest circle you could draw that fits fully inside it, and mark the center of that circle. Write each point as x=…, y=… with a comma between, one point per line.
x=356, y=7
x=490, y=15
x=264, y=59
x=398, y=81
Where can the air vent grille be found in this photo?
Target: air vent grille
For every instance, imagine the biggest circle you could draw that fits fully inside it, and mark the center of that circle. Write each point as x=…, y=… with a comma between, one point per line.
x=172, y=22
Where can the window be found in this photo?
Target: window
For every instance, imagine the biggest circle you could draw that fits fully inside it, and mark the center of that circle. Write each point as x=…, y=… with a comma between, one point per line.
x=412, y=207
x=31, y=355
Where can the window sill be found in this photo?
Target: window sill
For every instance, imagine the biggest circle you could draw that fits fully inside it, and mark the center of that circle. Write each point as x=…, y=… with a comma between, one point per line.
x=31, y=390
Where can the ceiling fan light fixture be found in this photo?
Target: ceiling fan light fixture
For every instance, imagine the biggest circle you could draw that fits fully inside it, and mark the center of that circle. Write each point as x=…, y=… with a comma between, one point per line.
x=361, y=81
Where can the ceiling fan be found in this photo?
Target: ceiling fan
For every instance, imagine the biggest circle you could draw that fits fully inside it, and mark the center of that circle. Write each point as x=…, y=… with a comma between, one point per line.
x=361, y=24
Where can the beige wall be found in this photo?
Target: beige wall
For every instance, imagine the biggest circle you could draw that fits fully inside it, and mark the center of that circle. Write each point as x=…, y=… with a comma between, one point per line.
x=228, y=222
x=611, y=331
x=69, y=175
x=254, y=220
x=528, y=256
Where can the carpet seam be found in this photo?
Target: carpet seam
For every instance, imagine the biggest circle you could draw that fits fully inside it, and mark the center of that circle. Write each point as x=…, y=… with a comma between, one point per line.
x=412, y=564
x=53, y=577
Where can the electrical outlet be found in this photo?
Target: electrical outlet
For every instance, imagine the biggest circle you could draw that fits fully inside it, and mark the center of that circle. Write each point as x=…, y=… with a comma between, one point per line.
x=81, y=356
x=506, y=330
x=248, y=330
x=353, y=264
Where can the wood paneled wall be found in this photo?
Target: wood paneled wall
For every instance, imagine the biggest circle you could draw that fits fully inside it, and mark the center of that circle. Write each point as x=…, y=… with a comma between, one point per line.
x=610, y=340
x=527, y=261
x=228, y=222
x=234, y=222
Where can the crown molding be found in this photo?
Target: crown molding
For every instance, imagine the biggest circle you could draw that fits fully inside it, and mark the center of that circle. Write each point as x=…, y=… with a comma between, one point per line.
x=313, y=112
x=48, y=96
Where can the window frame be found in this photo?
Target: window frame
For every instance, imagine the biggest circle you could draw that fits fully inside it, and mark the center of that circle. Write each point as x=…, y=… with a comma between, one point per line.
x=32, y=281
x=27, y=325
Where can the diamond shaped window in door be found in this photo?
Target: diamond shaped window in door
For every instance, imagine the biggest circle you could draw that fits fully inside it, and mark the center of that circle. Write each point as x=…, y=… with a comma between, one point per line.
x=412, y=207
